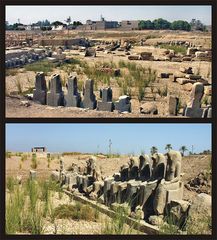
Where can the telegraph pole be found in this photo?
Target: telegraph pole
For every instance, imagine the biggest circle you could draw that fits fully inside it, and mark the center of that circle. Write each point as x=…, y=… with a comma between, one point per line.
x=110, y=147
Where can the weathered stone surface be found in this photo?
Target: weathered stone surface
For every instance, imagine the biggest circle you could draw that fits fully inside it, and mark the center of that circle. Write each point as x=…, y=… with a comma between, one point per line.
x=89, y=100
x=201, y=206
x=193, y=77
x=134, y=57
x=90, y=52
x=146, y=56
x=144, y=168
x=173, y=105
x=193, y=108
x=123, y=104
x=55, y=97
x=72, y=98
x=177, y=210
x=184, y=81
x=156, y=220
x=106, y=104
x=148, y=108
x=40, y=91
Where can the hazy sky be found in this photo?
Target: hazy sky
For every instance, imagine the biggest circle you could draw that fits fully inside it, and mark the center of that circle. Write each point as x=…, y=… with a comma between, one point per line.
x=30, y=14
x=126, y=138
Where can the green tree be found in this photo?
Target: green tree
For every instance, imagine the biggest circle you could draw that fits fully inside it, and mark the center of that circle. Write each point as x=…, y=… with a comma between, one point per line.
x=180, y=25
x=168, y=147
x=153, y=150
x=161, y=23
x=183, y=149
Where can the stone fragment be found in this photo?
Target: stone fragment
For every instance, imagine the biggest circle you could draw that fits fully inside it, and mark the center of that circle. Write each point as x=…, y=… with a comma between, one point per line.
x=89, y=100
x=149, y=108
x=40, y=91
x=55, y=97
x=173, y=105
x=123, y=104
x=193, y=108
x=72, y=98
x=106, y=104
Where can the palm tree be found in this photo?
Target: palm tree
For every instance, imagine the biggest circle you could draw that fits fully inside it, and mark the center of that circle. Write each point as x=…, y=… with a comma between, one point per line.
x=168, y=147
x=153, y=150
x=183, y=149
x=68, y=21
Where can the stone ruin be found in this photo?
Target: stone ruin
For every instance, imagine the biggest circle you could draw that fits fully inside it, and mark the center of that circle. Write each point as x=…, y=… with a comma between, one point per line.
x=72, y=98
x=106, y=104
x=40, y=91
x=55, y=97
x=89, y=100
x=193, y=108
x=147, y=185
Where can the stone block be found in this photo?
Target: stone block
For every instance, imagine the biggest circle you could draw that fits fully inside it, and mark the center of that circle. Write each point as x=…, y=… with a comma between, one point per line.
x=123, y=105
x=72, y=98
x=40, y=91
x=173, y=105
x=89, y=100
x=55, y=97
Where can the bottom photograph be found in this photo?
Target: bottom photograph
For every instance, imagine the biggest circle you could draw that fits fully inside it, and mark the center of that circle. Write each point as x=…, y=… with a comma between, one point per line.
x=69, y=179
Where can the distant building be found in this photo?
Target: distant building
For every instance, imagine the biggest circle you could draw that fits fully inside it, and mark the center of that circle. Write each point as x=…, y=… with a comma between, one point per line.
x=129, y=25
x=98, y=25
x=28, y=27
x=57, y=27
x=39, y=149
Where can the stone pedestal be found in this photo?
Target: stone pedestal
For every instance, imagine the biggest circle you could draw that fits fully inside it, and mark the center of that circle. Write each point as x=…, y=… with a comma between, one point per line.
x=55, y=97
x=40, y=91
x=89, y=97
x=106, y=104
x=72, y=98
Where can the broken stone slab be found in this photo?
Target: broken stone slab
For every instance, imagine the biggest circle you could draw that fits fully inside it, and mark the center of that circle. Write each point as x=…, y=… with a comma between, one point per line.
x=90, y=52
x=193, y=77
x=123, y=104
x=182, y=81
x=72, y=98
x=156, y=220
x=177, y=76
x=89, y=100
x=25, y=103
x=176, y=59
x=134, y=57
x=186, y=59
x=40, y=91
x=146, y=56
x=55, y=97
x=177, y=210
x=149, y=108
x=165, y=75
x=202, y=204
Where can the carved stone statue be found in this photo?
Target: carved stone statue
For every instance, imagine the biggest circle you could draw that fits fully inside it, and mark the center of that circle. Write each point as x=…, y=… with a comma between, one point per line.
x=170, y=187
x=144, y=168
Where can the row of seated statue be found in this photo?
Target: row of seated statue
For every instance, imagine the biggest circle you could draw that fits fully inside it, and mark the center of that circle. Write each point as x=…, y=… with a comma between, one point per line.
x=145, y=183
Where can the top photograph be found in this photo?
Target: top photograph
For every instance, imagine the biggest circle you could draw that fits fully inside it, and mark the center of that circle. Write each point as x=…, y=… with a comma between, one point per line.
x=139, y=61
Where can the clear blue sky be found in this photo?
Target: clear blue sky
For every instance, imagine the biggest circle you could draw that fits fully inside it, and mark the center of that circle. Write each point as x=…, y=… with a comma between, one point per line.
x=126, y=138
x=30, y=14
